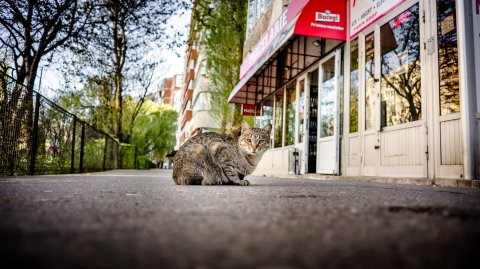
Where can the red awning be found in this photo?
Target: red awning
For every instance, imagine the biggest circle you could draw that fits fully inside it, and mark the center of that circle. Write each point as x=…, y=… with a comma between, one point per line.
x=322, y=19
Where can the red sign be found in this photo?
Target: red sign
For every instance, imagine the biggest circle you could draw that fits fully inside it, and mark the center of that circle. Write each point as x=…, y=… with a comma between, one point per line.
x=249, y=110
x=325, y=19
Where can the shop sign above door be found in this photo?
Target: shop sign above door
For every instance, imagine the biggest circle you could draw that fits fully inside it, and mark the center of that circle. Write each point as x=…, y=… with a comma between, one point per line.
x=324, y=19
x=365, y=12
x=319, y=18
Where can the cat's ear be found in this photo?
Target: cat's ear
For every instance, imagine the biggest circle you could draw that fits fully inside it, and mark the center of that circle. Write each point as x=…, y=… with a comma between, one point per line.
x=268, y=128
x=245, y=126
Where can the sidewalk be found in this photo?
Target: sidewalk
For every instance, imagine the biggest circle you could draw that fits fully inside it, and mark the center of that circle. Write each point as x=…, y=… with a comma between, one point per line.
x=445, y=182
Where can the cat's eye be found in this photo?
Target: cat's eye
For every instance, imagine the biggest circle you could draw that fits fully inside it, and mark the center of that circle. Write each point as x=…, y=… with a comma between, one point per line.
x=248, y=140
x=261, y=141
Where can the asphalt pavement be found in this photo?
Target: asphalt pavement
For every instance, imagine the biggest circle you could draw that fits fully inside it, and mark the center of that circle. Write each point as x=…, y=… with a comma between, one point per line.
x=141, y=219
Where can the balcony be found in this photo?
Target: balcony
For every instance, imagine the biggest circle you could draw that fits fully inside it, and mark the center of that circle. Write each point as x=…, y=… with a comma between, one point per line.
x=187, y=97
x=190, y=75
x=193, y=54
x=187, y=117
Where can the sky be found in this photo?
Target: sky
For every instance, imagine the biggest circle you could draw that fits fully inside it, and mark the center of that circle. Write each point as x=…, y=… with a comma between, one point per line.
x=52, y=79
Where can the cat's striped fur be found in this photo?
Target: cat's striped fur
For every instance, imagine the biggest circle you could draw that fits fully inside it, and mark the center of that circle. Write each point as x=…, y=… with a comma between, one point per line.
x=214, y=159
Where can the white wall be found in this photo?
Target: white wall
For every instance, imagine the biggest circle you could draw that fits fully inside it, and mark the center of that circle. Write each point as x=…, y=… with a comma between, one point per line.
x=274, y=162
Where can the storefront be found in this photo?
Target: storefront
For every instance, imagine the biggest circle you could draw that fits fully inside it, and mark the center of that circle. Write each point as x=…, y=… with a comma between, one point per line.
x=398, y=98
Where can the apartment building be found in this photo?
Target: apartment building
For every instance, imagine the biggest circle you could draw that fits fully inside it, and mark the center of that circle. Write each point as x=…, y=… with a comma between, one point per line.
x=195, y=114
x=170, y=91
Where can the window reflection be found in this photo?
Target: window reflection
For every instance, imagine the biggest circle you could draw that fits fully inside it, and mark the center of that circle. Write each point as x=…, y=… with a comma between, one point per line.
x=327, y=98
x=448, y=57
x=370, y=82
x=291, y=111
x=266, y=114
x=301, y=102
x=354, y=86
x=400, y=51
x=278, y=120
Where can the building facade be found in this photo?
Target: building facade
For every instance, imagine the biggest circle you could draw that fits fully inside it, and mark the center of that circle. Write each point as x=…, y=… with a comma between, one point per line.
x=366, y=88
x=170, y=91
x=196, y=114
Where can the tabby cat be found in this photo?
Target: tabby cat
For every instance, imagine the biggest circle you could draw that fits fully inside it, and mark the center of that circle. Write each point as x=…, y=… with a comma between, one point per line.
x=214, y=159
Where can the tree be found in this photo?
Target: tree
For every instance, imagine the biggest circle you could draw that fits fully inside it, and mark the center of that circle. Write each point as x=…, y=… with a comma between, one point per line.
x=3, y=80
x=119, y=45
x=94, y=103
x=30, y=30
x=222, y=24
x=154, y=133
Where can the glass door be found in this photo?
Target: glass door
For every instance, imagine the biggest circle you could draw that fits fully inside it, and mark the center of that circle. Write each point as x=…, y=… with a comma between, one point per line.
x=328, y=107
x=447, y=125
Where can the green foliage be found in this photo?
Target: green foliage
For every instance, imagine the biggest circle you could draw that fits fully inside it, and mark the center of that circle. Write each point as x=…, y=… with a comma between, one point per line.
x=131, y=111
x=222, y=24
x=143, y=163
x=127, y=155
x=119, y=50
x=93, y=155
x=94, y=103
x=154, y=132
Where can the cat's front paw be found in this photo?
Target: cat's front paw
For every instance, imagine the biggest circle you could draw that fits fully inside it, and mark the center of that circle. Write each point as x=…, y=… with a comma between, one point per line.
x=244, y=182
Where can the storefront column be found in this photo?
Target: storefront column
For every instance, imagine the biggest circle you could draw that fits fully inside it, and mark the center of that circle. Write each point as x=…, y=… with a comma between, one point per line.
x=466, y=65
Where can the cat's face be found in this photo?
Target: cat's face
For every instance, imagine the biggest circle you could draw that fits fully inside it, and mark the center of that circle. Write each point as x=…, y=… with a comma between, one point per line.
x=254, y=141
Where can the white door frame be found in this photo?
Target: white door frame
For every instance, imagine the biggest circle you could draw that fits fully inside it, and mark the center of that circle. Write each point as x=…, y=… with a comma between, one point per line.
x=336, y=138
x=440, y=123
x=302, y=146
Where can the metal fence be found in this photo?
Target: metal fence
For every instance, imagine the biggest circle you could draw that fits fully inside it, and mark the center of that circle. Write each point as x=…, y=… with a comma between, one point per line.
x=39, y=137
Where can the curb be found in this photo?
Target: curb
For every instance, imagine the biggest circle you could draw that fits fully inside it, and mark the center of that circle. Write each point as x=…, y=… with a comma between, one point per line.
x=440, y=182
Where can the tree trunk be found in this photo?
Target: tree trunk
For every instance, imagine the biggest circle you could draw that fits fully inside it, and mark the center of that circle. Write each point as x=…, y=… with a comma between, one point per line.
x=118, y=106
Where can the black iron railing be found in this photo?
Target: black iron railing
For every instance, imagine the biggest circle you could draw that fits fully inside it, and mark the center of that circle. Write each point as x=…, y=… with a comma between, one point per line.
x=39, y=137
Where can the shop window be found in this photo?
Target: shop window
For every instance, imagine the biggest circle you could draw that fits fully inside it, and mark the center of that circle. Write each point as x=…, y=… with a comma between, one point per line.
x=266, y=114
x=448, y=57
x=327, y=98
x=301, y=111
x=400, y=69
x=292, y=108
x=278, y=118
x=370, y=95
x=354, y=86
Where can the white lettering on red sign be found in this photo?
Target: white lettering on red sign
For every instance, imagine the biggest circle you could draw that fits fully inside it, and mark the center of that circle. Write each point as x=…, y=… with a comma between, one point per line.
x=327, y=16
x=249, y=110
